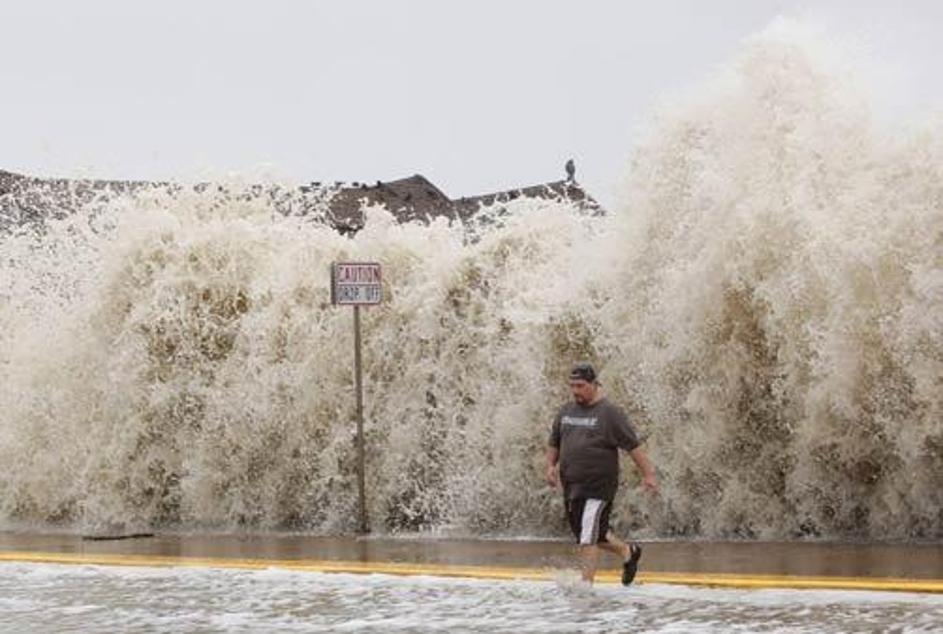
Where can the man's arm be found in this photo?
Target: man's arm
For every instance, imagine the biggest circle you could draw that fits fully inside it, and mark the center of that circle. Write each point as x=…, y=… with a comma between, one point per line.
x=553, y=473
x=645, y=466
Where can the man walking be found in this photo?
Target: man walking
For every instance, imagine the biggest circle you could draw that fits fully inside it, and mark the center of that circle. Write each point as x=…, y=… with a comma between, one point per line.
x=583, y=455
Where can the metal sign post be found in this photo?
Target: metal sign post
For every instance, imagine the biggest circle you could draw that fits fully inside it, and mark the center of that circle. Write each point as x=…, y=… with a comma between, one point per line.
x=358, y=284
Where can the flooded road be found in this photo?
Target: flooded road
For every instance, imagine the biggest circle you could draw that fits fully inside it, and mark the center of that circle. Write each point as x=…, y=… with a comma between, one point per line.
x=916, y=561
x=280, y=583
x=54, y=598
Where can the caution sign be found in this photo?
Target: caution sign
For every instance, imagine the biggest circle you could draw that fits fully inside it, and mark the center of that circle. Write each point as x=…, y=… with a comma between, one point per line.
x=356, y=283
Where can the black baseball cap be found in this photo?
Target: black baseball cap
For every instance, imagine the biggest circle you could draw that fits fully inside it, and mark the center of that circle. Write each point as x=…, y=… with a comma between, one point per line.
x=583, y=372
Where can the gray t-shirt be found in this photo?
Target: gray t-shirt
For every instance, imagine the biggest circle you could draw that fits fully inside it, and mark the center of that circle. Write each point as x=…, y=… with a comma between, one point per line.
x=589, y=439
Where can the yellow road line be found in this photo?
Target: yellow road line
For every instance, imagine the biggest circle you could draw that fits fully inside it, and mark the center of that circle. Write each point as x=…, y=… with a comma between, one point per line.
x=479, y=572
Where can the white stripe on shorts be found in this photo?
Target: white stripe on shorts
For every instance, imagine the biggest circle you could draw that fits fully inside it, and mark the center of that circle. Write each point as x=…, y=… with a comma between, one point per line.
x=591, y=512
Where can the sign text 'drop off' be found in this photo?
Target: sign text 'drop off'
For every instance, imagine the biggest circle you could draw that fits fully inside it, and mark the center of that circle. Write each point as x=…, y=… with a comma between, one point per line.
x=355, y=283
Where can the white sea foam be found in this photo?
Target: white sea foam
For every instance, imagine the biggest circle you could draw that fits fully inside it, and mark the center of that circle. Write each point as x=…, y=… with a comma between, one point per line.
x=766, y=300
x=69, y=598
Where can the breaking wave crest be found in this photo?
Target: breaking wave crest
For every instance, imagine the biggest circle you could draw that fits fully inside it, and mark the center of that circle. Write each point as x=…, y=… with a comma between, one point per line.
x=766, y=300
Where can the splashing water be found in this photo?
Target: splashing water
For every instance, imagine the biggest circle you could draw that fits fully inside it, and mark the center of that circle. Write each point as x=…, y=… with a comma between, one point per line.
x=767, y=301
x=44, y=598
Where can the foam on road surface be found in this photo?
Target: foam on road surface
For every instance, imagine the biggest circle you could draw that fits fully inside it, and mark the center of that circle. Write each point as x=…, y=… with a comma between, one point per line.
x=56, y=598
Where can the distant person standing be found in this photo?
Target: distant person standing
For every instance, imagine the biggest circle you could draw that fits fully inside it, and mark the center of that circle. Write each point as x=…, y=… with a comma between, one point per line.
x=583, y=456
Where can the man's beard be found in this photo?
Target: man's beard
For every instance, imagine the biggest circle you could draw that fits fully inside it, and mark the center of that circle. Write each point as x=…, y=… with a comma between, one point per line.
x=580, y=400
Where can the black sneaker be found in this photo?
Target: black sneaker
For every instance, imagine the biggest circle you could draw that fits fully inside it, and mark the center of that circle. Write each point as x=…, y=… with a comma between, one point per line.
x=630, y=567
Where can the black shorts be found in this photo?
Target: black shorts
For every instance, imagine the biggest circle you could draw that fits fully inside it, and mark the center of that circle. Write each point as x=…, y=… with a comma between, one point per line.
x=589, y=520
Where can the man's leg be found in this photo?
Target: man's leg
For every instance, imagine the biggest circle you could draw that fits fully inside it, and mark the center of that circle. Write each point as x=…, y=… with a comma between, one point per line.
x=615, y=545
x=630, y=554
x=590, y=524
x=589, y=553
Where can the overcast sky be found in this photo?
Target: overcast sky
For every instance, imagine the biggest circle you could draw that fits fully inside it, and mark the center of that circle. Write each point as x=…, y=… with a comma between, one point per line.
x=477, y=96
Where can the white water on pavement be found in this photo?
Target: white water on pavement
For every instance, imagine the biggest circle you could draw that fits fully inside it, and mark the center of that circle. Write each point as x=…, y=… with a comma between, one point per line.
x=52, y=598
